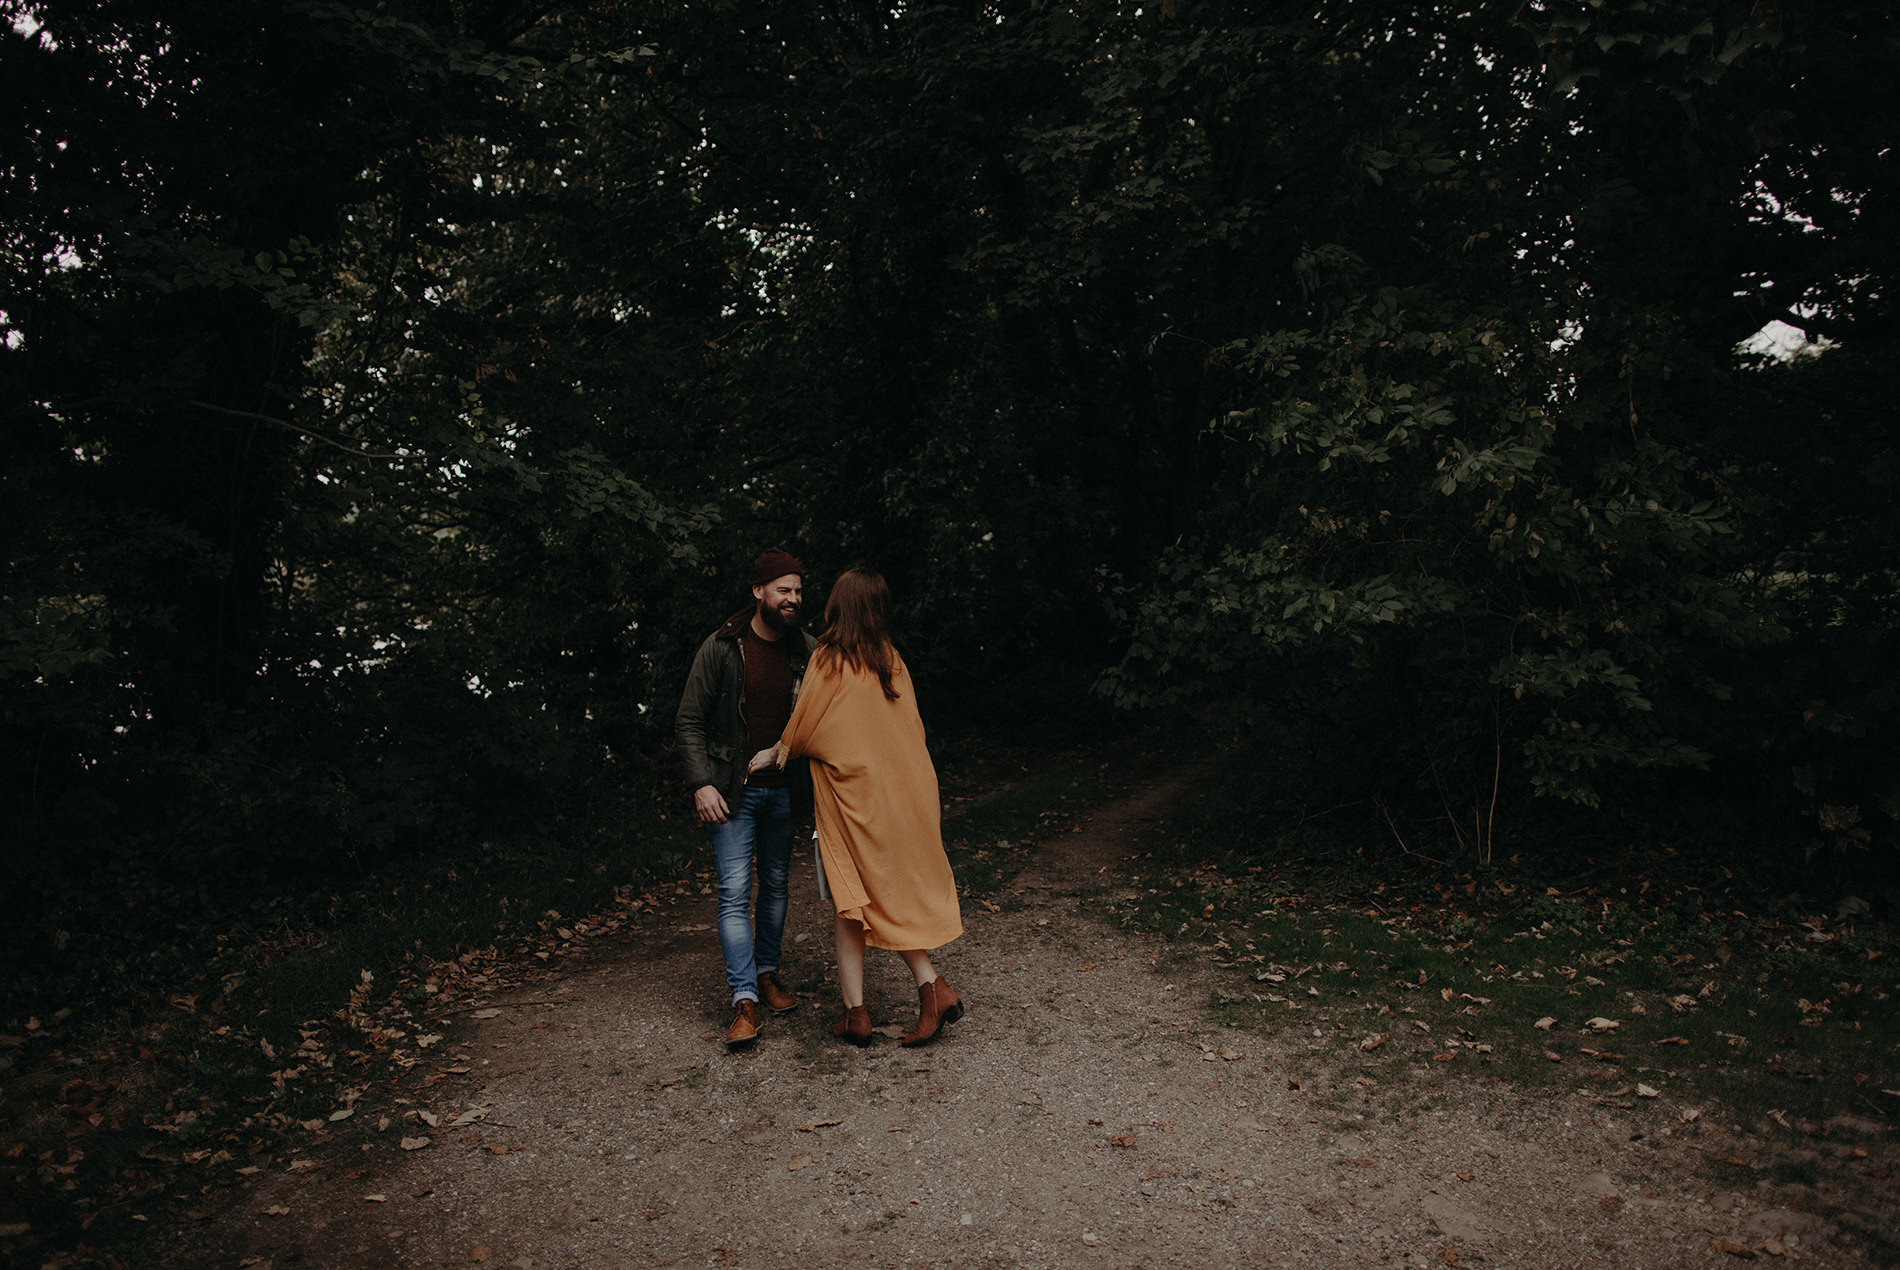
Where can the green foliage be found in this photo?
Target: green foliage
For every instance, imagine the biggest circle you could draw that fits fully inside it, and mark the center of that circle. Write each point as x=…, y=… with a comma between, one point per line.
x=1483, y=530
x=394, y=392
x=1406, y=497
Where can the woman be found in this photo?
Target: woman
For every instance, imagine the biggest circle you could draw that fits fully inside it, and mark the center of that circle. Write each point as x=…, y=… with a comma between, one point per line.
x=875, y=794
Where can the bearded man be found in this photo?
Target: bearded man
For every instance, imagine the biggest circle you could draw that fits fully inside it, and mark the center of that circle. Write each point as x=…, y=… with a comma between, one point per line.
x=737, y=701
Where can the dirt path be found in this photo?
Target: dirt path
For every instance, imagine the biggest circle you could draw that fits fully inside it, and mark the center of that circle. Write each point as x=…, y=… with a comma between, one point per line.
x=1085, y=1111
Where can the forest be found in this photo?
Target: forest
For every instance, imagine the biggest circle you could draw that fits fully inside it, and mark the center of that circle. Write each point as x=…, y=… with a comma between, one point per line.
x=1479, y=418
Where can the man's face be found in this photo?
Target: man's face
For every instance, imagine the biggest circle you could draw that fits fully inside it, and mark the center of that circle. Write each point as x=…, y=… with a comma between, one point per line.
x=778, y=603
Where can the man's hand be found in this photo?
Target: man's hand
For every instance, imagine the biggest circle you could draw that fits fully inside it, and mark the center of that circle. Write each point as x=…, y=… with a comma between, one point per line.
x=764, y=759
x=710, y=806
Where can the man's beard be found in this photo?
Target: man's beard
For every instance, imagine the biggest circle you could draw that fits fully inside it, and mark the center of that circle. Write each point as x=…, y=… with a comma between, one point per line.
x=783, y=623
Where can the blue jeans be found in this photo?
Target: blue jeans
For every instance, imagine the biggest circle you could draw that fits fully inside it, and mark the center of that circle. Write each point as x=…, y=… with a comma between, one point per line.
x=761, y=824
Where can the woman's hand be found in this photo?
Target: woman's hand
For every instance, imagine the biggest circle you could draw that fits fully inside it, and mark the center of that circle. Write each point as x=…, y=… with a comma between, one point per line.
x=764, y=759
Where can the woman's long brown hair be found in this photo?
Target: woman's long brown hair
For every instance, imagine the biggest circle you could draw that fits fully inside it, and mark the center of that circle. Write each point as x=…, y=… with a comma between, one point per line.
x=858, y=625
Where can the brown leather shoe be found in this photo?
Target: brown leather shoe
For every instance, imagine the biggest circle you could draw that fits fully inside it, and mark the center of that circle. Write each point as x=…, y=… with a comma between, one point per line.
x=745, y=1025
x=938, y=1004
x=854, y=1027
x=774, y=995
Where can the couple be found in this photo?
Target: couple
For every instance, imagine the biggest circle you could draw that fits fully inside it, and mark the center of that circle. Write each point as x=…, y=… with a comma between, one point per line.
x=762, y=687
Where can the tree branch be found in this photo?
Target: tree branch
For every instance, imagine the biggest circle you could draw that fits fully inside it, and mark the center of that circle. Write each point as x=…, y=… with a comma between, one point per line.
x=297, y=428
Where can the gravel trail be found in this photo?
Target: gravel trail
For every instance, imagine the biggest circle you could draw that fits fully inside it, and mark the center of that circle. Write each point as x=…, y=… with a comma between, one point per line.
x=1086, y=1111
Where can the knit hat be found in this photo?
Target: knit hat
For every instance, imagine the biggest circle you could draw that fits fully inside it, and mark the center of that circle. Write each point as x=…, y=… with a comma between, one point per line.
x=774, y=564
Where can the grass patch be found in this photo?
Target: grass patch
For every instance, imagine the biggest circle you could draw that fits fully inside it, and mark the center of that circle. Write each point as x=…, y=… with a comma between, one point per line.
x=1769, y=1018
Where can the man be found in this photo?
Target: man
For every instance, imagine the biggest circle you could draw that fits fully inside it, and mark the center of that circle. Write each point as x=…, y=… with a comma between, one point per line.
x=737, y=702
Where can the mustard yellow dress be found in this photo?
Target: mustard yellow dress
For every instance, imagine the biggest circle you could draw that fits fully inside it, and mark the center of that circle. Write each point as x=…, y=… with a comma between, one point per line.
x=875, y=795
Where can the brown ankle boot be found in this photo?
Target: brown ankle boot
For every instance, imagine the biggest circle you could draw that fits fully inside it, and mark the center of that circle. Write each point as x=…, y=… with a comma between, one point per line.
x=938, y=1004
x=854, y=1027
x=745, y=1025
x=773, y=995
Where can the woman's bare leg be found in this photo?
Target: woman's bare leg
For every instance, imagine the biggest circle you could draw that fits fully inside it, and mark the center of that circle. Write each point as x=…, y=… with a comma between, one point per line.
x=850, y=942
x=919, y=962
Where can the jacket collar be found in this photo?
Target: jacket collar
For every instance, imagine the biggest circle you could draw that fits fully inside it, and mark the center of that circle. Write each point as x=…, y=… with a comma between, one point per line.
x=734, y=626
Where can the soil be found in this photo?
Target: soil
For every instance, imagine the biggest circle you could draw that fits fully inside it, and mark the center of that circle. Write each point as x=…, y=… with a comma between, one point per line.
x=1089, y=1109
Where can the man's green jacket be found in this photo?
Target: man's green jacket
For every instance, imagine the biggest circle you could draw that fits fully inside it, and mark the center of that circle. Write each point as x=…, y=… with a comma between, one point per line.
x=710, y=726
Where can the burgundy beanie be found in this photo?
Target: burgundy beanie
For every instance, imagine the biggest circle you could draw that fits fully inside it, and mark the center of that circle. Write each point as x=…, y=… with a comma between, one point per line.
x=774, y=564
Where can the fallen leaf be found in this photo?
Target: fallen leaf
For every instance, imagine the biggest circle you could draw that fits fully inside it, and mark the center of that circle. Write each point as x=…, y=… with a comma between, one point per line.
x=1553, y=1056
x=798, y=1162
x=480, y=1252
x=1689, y=1117
x=1734, y=1249
x=1443, y=1058
x=343, y=1114
x=1122, y=1140
x=1545, y=1023
x=1602, y=1024
x=414, y=1144
x=376, y=1199
x=1672, y=1040
x=1645, y=1091
x=1229, y=1053
x=1374, y=1041
x=277, y=1210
